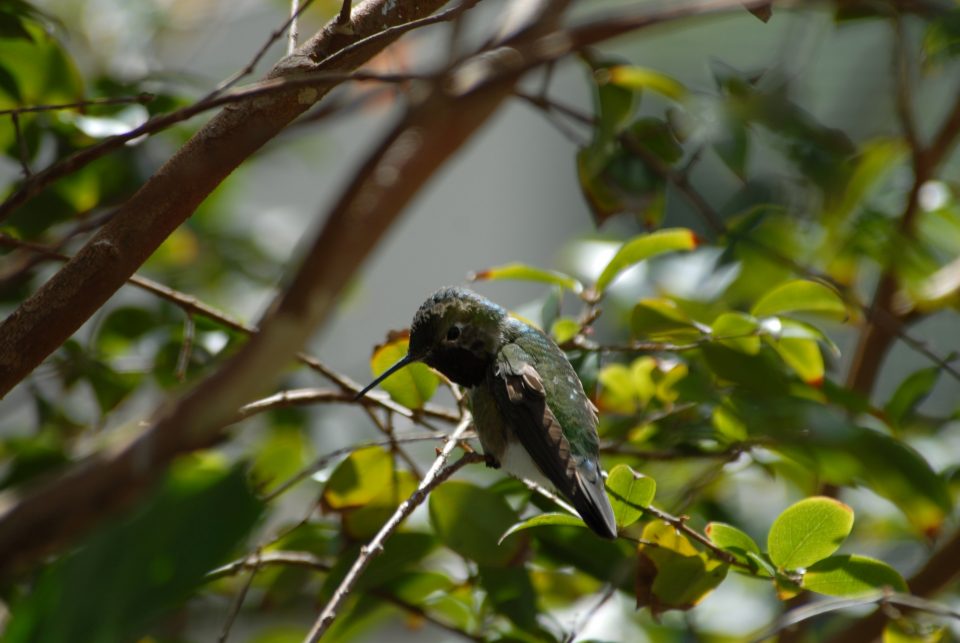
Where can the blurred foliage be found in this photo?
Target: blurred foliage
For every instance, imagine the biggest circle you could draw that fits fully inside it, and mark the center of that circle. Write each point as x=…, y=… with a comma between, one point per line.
x=724, y=401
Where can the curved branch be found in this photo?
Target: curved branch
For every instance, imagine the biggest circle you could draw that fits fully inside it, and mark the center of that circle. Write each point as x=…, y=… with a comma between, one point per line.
x=66, y=301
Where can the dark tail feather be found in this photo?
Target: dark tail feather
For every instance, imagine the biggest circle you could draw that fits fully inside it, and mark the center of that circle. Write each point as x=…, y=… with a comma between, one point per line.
x=591, y=502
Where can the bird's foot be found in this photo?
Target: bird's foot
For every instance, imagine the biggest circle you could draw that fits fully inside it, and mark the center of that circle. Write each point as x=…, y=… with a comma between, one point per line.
x=491, y=461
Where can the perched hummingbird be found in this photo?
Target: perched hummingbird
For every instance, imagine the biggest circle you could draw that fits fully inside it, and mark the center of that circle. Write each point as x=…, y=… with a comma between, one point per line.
x=528, y=404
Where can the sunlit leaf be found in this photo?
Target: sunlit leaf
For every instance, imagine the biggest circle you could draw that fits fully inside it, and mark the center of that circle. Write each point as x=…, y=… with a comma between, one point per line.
x=643, y=247
x=662, y=319
x=629, y=492
x=852, y=575
x=523, y=272
x=564, y=329
x=542, y=520
x=733, y=540
x=738, y=331
x=636, y=78
x=671, y=574
x=801, y=296
x=411, y=386
x=801, y=355
x=618, y=393
x=359, y=479
x=808, y=531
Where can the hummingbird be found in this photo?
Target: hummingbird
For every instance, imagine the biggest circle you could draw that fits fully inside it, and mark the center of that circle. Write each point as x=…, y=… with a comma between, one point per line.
x=529, y=408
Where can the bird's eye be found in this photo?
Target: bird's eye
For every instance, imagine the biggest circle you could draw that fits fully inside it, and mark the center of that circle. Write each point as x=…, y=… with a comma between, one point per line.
x=453, y=333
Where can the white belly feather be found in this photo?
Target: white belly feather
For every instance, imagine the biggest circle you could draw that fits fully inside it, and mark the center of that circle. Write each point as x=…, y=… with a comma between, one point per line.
x=518, y=463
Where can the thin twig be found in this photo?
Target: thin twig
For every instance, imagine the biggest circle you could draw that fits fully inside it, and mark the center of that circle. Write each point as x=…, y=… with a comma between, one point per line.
x=323, y=460
x=21, y=146
x=436, y=475
x=311, y=562
x=819, y=608
x=680, y=524
x=397, y=30
x=584, y=620
x=238, y=600
x=293, y=35
x=269, y=558
x=142, y=98
x=252, y=65
x=186, y=348
x=192, y=305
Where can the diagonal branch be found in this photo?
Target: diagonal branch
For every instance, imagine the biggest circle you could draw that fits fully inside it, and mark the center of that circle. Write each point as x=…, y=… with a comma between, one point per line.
x=69, y=298
x=436, y=475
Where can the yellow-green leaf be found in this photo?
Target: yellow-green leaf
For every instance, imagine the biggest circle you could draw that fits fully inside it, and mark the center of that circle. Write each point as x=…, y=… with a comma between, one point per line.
x=411, y=386
x=738, y=331
x=358, y=479
x=661, y=319
x=808, y=532
x=732, y=540
x=851, y=576
x=801, y=296
x=802, y=356
x=643, y=247
x=671, y=574
x=523, y=272
x=633, y=77
x=564, y=329
x=630, y=492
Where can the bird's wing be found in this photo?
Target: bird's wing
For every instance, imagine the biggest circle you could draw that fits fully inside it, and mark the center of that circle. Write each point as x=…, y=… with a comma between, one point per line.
x=519, y=391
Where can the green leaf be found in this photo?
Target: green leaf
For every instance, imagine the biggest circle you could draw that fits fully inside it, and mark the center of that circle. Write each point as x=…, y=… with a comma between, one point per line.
x=510, y=591
x=523, y=272
x=400, y=554
x=808, y=531
x=630, y=492
x=282, y=452
x=541, y=520
x=802, y=356
x=732, y=540
x=637, y=78
x=738, y=331
x=359, y=479
x=801, y=296
x=912, y=391
x=661, y=319
x=643, y=247
x=852, y=575
x=564, y=329
x=671, y=574
x=470, y=520
x=134, y=568
x=898, y=472
x=411, y=386
x=618, y=392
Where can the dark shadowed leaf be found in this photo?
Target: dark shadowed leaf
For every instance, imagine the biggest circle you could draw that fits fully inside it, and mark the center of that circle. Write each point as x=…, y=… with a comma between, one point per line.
x=470, y=520
x=140, y=565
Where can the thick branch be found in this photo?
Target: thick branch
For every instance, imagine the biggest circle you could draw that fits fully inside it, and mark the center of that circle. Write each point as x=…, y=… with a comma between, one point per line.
x=66, y=301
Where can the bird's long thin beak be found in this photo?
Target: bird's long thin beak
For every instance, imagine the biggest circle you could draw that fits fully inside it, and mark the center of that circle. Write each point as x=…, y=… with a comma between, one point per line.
x=384, y=375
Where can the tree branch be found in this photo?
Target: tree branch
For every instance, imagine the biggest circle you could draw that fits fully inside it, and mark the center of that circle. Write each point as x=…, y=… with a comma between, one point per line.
x=59, y=307
x=435, y=476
